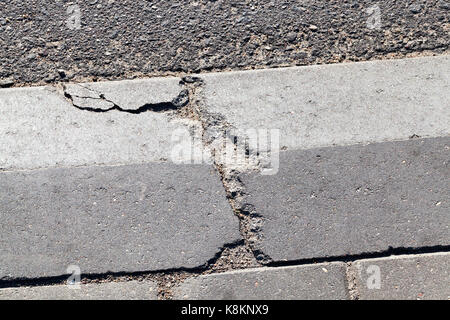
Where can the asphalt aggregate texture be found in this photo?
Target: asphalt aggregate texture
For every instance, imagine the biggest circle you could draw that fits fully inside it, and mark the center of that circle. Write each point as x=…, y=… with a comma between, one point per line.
x=45, y=41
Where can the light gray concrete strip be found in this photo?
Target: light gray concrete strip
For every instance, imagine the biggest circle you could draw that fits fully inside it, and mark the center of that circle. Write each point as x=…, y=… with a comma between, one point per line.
x=319, y=281
x=132, y=290
x=40, y=128
x=419, y=277
x=340, y=104
x=112, y=219
x=352, y=200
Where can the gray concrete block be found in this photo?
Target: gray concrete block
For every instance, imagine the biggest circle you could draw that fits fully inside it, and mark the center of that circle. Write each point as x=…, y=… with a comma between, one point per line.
x=341, y=104
x=132, y=290
x=420, y=277
x=319, y=281
x=352, y=200
x=40, y=128
x=112, y=219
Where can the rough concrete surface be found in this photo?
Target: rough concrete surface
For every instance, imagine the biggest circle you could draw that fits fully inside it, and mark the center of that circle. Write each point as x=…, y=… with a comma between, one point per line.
x=320, y=281
x=341, y=104
x=131, y=290
x=416, y=277
x=353, y=200
x=112, y=219
x=45, y=40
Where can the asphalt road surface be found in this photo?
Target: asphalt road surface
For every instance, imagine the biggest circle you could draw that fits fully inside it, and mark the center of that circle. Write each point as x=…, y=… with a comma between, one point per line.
x=47, y=41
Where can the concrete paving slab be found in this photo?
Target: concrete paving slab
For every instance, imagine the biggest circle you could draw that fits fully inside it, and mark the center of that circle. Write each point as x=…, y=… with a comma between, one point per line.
x=352, y=200
x=320, y=281
x=146, y=217
x=417, y=277
x=132, y=290
x=40, y=128
x=340, y=104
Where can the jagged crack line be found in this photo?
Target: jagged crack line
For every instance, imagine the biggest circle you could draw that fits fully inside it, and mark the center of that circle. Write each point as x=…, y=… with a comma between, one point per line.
x=178, y=102
x=217, y=128
x=11, y=282
x=389, y=252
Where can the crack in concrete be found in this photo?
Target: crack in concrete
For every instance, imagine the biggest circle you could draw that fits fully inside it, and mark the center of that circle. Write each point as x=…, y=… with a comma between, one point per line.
x=229, y=257
x=168, y=279
x=215, y=136
x=391, y=251
x=178, y=102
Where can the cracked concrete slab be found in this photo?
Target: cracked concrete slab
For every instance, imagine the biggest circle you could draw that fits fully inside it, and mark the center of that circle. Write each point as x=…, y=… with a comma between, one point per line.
x=40, y=128
x=128, y=95
x=131, y=290
x=103, y=190
x=416, y=277
x=312, y=208
x=310, y=282
x=84, y=97
x=351, y=200
x=154, y=216
x=342, y=104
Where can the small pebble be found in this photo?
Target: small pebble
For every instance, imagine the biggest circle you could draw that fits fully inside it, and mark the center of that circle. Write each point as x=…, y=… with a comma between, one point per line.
x=444, y=4
x=6, y=83
x=415, y=8
x=291, y=37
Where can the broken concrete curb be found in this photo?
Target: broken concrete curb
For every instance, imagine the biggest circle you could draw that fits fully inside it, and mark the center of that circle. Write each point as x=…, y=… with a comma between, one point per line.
x=134, y=96
x=88, y=177
x=148, y=217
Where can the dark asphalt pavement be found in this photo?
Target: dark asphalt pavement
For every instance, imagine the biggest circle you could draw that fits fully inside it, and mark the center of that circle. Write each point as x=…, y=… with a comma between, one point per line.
x=40, y=40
